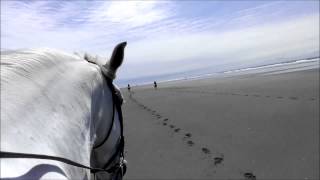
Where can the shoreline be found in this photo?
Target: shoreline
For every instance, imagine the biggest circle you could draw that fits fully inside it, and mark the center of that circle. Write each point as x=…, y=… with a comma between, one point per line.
x=285, y=67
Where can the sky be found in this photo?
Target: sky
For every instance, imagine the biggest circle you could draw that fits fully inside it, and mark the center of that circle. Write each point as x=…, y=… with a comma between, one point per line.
x=167, y=37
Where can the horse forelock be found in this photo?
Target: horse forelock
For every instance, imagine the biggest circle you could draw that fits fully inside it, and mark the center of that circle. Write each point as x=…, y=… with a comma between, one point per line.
x=101, y=62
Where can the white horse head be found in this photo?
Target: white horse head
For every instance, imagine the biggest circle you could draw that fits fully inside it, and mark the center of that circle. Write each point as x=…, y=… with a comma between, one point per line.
x=60, y=105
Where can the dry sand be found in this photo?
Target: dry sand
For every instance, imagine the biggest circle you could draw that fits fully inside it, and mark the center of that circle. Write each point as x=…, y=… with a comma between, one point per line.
x=245, y=127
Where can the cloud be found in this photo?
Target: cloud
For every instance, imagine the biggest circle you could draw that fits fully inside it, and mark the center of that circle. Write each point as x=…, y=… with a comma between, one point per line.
x=273, y=38
x=81, y=25
x=129, y=13
x=167, y=36
x=259, y=44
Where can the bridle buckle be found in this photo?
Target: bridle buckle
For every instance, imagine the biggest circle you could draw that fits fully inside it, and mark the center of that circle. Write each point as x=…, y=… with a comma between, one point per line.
x=123, y=166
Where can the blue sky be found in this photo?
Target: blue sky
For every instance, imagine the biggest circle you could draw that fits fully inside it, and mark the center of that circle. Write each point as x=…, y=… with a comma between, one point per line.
x=166, y=37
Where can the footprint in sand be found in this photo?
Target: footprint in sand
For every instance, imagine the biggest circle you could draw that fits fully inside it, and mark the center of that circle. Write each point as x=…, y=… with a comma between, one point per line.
x=218, y=160
x=279, y=97
x=177, y=130
x=293, y=98
x=206, y=150
x=249, y=176
x=171, y=126
x=164, y=124
x=166, y=119
x=190, y=143
x=188, y=135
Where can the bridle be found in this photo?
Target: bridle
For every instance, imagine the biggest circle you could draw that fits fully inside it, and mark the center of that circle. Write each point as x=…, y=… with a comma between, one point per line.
x=118, y=169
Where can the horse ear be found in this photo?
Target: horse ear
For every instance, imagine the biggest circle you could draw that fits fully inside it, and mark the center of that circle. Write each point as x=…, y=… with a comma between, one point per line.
x=117, y=56
x=110, y=68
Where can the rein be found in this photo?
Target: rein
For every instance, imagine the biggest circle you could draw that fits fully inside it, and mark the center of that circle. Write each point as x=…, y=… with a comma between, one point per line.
x=115, y=169
x=5, y=154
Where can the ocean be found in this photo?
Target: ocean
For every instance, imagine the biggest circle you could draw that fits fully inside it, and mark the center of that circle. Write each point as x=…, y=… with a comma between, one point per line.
x=277, y=68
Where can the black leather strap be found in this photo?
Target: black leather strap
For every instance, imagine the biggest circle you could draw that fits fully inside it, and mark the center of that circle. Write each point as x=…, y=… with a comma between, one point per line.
x=4, y=154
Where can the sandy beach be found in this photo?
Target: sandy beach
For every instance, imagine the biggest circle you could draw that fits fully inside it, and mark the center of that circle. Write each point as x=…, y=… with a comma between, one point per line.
x=242, y=127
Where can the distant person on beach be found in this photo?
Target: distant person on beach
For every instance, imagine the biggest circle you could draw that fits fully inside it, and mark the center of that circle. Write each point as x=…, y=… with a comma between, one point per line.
x=129, y=88
x=155, y=84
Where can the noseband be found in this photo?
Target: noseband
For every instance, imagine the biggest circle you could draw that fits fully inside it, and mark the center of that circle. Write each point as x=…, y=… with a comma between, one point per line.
x=117, y=169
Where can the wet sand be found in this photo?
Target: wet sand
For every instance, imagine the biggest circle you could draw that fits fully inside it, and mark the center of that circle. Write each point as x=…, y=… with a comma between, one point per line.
x=244, y=127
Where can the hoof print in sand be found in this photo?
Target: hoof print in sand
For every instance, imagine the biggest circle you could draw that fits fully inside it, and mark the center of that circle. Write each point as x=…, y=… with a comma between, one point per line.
x=249, y=176
x=293, y=98
x=177, y=130
x=218, y=160
x=190, y=143
x=205, y=150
